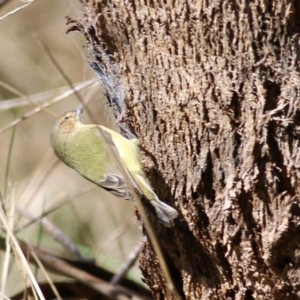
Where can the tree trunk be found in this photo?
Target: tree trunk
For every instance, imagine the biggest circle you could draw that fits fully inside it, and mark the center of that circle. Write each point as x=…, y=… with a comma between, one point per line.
x=211, y=89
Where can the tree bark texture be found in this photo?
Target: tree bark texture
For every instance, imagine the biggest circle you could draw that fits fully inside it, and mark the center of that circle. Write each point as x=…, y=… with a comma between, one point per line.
x=212, y=91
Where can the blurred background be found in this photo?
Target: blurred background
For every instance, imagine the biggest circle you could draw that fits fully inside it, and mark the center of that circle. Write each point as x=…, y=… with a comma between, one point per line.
x=31, y=177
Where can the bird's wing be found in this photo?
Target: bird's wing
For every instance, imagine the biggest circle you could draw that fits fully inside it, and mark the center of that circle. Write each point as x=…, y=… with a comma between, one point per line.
x=114, y=181
x=116, y=185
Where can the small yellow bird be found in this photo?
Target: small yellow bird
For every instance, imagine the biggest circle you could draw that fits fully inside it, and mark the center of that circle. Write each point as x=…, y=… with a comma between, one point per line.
x=84, y=149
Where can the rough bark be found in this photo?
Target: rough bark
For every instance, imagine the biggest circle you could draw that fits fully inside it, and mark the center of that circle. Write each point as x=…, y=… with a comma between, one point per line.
x=212, y=92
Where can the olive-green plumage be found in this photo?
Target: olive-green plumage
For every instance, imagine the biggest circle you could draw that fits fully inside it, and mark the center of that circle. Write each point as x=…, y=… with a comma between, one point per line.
x=87, y=149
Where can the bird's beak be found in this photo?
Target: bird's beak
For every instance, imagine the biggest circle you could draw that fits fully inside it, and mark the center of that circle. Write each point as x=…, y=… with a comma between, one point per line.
x=79, y=112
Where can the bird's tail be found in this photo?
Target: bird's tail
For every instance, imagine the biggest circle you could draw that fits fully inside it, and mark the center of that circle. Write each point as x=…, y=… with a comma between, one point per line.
x=165, y=213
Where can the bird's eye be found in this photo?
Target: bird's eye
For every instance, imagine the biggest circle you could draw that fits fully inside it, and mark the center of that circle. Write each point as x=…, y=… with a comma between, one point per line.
x=67, y=118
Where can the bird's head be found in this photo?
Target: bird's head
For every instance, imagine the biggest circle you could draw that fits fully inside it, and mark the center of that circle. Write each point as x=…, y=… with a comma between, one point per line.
x=68, y=121
x=66, y=125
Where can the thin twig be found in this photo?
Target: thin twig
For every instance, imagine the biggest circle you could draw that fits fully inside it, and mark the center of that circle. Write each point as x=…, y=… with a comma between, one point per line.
x=54, y=289
x=64, y=75
x=36, y=98
x=129, y=262
x=45, y=167
x=17, y=9
x=54, y=231
x=56, y=264
x=64, y=200
x=41, y=107
x=20, y=254
x=28, y=99
x=8, y=161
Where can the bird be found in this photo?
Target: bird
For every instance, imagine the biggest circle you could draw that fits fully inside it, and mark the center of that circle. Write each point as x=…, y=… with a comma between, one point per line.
x=87, y=148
